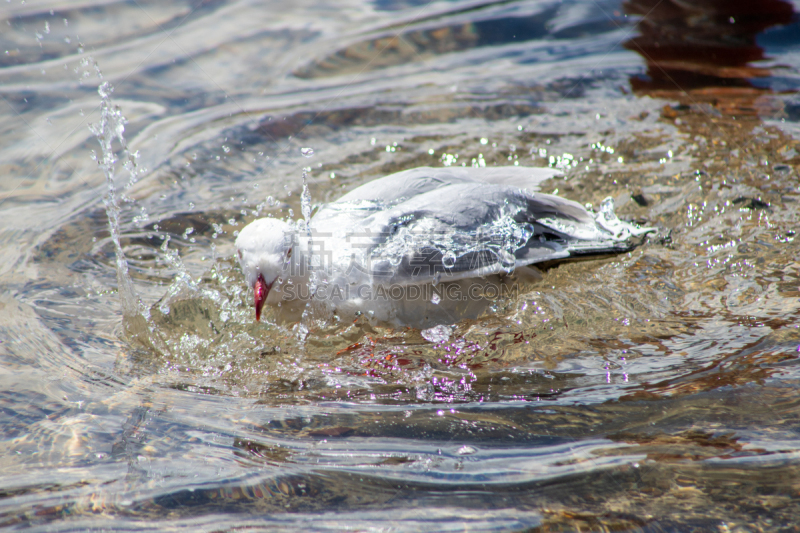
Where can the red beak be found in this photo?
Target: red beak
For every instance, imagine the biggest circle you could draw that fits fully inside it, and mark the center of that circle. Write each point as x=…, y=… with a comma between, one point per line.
x=260, y=290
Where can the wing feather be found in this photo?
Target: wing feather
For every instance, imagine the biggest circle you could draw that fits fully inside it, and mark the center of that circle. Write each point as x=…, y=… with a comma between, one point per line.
x=426, y=224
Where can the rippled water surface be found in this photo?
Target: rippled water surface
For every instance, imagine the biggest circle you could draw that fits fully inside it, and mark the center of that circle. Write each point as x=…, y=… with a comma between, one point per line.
x=655, y=390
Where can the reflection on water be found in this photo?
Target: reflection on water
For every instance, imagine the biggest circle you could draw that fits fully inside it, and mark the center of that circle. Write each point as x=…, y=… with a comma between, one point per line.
x=654, y=390
x=707, y=49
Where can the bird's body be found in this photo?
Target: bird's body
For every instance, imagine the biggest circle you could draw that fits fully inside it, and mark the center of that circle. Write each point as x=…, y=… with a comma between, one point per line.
x=421, y=247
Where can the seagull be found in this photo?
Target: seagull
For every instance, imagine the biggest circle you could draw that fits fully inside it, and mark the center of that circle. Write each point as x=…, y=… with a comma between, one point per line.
x=422, y=247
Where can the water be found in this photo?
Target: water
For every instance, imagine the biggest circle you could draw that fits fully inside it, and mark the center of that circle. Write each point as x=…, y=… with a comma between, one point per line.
x=653, y=390
x=305, y=197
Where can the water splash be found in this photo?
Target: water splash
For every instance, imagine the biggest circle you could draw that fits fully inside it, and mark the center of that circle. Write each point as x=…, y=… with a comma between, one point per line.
x=136, y=319
x=182, y=279
x=502, y=237
x=449, y=259
x=436, y=334
x=109, y=129
x=607, y=227
x=305, y=197
x=302, y=328
x=305, y=202
x=620, y=230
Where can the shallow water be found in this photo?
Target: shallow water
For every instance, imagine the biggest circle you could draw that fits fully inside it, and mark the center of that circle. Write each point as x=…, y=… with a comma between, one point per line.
x=653, y=390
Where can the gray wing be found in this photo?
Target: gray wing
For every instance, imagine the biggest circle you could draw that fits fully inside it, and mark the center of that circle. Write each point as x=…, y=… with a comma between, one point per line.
x=458, y=228
x=407, y=184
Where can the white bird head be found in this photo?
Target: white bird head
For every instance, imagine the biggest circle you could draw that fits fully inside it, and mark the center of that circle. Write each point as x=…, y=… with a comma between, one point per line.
x=264, y=247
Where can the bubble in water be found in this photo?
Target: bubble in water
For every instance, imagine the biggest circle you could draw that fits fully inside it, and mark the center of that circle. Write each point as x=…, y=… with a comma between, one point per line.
x=436, y=334
x=449, y=259
x=307, y=152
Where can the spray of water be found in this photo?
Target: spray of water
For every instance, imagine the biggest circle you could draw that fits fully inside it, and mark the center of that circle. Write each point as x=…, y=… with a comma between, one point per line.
x=305, y=197
x=301, y=329
x=140, y=325
x=110, y=131
x=110, y=128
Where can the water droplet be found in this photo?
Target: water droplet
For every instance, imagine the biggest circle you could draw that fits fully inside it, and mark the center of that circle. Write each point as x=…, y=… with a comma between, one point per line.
x=105, y=89
x=436, y=334
x=607, y=209
x=466, y=450
x=305, y=199
x=307, y=152
x=449, y=260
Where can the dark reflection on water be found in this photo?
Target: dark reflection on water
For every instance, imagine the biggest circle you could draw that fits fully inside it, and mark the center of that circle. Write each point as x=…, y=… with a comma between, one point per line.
x=650, y=391
x=706, y=43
